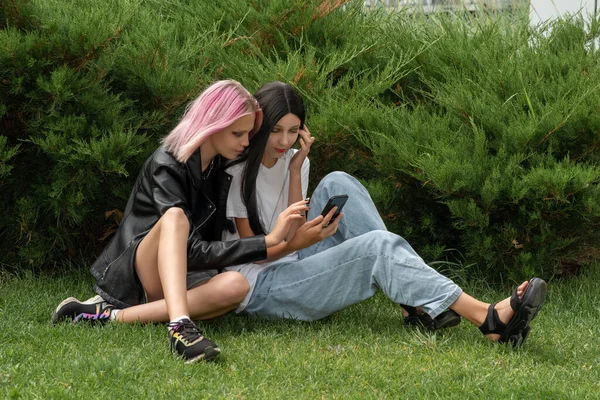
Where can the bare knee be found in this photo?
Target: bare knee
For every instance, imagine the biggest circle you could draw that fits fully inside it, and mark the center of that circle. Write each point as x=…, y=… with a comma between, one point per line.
x=175, y=218
x=233, y=287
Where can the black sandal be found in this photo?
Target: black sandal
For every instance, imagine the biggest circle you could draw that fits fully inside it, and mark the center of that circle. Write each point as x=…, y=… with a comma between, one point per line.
x=447, y=319
x=526, y=309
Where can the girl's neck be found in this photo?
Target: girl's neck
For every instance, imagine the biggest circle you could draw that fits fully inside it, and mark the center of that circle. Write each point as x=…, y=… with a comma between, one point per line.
x=268, y=162
x=207, y=153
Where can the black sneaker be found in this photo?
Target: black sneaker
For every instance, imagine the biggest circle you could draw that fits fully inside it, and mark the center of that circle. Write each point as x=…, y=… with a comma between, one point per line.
x=189, y=342
x=94, y=309
x=447, y=319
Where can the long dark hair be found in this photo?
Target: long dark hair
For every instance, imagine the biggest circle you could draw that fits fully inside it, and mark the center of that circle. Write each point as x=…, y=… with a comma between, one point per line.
x=276, y=99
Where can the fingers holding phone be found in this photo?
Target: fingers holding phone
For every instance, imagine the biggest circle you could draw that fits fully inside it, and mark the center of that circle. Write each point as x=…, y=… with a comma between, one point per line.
x=335, y=204
x=326, y=226
x=321, y=227
x=312, y=232
x=331, y=218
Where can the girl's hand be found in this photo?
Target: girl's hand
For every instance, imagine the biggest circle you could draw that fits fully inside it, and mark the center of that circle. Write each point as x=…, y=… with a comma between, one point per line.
x=306, y=140
x=285, y=220
x=314, y=231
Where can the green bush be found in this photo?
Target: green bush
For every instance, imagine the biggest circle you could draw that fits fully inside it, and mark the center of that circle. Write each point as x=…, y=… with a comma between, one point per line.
x=477, y=137
x=506, y=142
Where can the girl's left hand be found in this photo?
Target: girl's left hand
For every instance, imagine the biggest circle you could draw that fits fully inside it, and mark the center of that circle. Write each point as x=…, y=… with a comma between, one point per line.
x=306, y=140
x=285, y=221
x=314, y=231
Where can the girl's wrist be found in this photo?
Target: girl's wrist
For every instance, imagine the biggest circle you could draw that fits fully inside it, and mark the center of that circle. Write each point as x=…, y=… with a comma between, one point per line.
x=269, y=240
x=286, y=247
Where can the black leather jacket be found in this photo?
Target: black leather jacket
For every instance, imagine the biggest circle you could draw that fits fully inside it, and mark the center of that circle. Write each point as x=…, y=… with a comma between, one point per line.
x=164, y=183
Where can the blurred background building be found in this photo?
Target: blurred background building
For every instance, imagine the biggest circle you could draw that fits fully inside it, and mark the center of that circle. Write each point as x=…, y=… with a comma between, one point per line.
x=542, y=10
x=449, y=5
x=539, y=10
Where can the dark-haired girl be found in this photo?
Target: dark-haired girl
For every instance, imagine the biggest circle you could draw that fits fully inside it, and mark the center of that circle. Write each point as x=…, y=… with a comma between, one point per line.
x=328, y=264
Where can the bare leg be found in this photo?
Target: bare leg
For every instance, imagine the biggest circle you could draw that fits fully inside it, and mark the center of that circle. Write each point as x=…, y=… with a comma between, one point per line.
x=210, y=299
x=475, y=311
x=161, y=262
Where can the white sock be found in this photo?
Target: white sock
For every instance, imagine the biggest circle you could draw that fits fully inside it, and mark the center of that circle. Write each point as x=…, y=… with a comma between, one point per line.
x=175, y=320
x=113, y=314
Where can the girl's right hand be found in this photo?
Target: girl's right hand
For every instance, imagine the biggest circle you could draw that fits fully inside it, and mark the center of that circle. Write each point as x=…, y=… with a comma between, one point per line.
x=315, y=230
x=285, y=220
x=306, y=141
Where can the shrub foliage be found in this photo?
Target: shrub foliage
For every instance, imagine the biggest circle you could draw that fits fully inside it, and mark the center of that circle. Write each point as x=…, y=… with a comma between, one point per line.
x=478, y=137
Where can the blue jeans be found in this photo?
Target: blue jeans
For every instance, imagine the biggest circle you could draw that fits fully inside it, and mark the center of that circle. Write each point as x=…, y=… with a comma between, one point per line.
x=350, y=266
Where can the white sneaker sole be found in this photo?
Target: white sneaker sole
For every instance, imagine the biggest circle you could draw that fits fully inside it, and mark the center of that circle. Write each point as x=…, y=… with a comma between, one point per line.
x=92, y=300
x=210, y=354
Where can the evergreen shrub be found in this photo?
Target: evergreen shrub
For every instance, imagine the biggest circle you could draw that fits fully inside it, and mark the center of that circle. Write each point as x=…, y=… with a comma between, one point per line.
x=477, y=137
x=504, y=139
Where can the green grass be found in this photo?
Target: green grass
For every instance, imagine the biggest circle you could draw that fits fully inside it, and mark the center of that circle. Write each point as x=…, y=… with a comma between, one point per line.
x=361, y=352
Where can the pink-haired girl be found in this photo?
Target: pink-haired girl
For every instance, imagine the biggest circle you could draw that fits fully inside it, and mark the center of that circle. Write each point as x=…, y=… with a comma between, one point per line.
x=162, y=263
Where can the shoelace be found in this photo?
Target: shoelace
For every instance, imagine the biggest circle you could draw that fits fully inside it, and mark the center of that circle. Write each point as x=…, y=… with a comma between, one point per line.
x=103, y=311
x=188, y=330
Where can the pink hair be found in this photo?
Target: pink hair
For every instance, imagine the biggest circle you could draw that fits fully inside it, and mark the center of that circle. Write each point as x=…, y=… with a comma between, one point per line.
x=219, y=106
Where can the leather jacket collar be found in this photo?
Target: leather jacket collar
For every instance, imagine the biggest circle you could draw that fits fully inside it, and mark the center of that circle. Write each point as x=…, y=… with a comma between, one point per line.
x=194, y=167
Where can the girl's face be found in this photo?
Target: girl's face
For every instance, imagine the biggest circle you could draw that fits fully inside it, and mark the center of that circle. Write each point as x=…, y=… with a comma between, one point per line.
x=282, y=137
x=231, y=141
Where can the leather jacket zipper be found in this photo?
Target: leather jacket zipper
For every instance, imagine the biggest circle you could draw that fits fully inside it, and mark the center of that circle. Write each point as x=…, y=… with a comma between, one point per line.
x=212, y=208
x=116, y=259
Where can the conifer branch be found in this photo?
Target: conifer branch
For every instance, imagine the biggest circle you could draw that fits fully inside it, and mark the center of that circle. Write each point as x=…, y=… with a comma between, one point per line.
x=91, y=54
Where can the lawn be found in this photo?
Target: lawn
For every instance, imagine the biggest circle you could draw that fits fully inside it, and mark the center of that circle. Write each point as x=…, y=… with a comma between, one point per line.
x=361, y=352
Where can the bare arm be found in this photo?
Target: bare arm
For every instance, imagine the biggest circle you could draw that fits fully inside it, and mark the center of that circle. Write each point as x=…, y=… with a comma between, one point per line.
x=307, y=234
x=296, y=170
x=274, y=252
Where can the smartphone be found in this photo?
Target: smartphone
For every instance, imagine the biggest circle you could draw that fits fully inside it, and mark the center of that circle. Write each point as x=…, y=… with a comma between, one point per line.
x=334, y=201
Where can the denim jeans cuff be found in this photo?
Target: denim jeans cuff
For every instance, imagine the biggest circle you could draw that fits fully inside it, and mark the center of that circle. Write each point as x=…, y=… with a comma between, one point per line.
x=446, y=303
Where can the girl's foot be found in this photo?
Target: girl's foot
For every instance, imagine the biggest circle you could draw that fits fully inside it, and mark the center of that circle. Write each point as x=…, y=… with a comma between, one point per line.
x=505, y=312
x=95, y=309
x=189, y=342
x=508, y=320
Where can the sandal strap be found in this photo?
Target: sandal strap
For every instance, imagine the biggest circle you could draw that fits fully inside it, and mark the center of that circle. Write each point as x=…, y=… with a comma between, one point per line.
x=492, y=323
x=515, y=302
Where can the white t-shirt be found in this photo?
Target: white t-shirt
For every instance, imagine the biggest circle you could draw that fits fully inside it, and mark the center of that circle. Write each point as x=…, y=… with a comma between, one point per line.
x=272, y=190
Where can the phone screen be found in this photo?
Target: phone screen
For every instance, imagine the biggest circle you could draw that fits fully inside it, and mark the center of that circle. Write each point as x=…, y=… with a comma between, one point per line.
x=335, y=201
